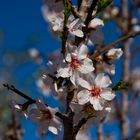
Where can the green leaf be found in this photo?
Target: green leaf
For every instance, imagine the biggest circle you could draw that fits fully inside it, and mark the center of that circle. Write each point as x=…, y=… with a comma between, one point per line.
x=102, y=4
x=120, y=86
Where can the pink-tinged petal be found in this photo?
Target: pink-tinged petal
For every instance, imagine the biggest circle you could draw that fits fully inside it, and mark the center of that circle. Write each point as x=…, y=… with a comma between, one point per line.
x=64, y=72
x=70, y=49
x=82, y=51
x=68, y=57
x=72, y=24
x=83, y=83
x=97, y=103
x=95, y=22
x=77, y=32
x=83, y=97
x=53, y=130
x=107, y=94
x=102, y=81
x=87, y=66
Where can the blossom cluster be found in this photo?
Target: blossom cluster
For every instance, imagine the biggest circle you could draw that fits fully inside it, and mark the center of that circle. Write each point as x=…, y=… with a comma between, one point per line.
x=75, y=69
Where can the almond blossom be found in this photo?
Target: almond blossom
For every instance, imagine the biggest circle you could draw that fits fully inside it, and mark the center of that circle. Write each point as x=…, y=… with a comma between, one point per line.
x=114, y=54
x=45, y=118
x=76, y=63
x=96, y=92
x=57, y=21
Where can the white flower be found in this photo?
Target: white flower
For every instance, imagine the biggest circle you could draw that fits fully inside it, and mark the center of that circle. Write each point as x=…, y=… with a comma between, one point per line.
x=55, y=19
x=77, y=62
x=75, y=26
x=45, y=118
x=96, y=92
x=114, y=54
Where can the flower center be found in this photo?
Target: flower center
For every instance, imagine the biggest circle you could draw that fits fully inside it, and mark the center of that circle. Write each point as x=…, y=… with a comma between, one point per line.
x=46, y=115
x=75, y=63
x=95, y=91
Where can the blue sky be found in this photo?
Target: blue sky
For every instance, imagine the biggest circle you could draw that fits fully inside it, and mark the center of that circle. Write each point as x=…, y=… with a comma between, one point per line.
x=21, y=23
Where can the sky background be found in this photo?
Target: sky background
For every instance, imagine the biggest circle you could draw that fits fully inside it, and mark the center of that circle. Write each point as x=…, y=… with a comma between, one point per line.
x=22, y=27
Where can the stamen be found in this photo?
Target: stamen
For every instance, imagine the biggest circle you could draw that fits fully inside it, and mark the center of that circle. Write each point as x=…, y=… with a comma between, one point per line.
x=95, y=91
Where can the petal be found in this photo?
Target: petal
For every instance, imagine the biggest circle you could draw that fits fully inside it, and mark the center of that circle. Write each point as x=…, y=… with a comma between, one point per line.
x=97, y=103
x=83, y=97
x=107, y=94
x=116, y=53
x=82, y=51
x=68, y=57
x=64, y=72
x=69, y=50
x=96, y=22
x=73, y=23
x=87, y=66
x=77, y=32
x=108, y=109
x=83, y=83
x=102, y=81
x=53, y=130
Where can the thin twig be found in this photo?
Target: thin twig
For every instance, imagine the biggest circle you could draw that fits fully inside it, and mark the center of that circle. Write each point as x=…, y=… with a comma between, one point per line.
x=12, y=88
x=110, y=46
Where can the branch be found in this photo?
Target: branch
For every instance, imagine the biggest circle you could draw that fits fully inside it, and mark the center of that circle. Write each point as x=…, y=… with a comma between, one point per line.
x=106, y=48
x=12, y=88
x=90, y=11
x=65, y=32
x=87, y=20
x=79, y=4
x=69, y=98
x=81, y=123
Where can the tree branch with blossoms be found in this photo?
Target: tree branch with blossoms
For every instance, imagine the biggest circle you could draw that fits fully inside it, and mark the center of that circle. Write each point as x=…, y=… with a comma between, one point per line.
x=82, y=84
